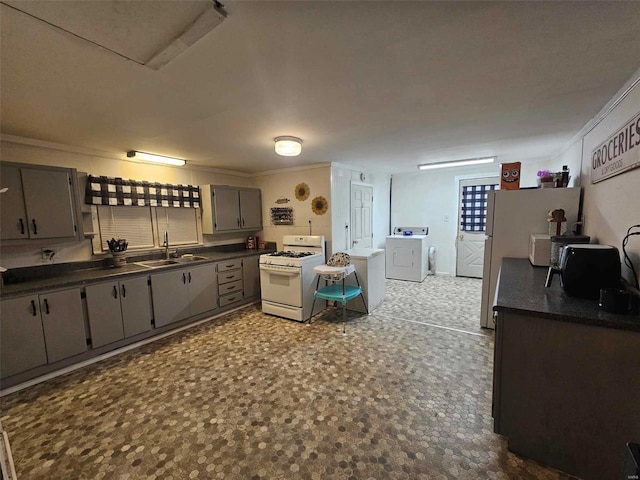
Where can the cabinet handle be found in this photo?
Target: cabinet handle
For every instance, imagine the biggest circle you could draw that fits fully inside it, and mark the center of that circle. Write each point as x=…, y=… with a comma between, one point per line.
x=123, y=291
x=46, y=306
x=34, y=312
x=21, y=227
x=35, y=227
x=230, y=288
x=238, y=220
x=189, y=274
x=243, y=221
x=230, y=276
x=115, y=292
x=184, y=278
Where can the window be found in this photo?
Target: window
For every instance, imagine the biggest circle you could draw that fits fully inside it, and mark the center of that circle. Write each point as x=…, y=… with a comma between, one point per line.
x=179, y=223
x=474, y=207
x=144, y=227
x=132, y=223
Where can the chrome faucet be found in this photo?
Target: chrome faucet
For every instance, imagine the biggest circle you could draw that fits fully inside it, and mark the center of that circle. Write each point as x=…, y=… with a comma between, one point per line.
x=165, y=244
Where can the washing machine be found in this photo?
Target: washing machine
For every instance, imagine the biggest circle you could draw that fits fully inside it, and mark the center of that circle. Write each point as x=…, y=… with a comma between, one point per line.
x=407, y=254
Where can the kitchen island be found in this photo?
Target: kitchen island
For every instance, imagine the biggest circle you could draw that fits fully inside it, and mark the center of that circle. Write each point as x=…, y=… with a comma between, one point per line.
x=566, y=375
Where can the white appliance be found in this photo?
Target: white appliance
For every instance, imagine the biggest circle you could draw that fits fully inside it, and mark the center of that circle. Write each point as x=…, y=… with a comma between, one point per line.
x=512, y=216
x=287, y=280
x=407, y=254
x=369, y=263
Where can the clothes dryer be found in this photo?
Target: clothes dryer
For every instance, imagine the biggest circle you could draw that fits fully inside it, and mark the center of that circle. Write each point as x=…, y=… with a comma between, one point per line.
x=407, y=254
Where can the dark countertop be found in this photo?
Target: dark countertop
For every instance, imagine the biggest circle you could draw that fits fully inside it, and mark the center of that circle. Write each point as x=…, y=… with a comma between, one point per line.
x=521, y=290
x=85, y=276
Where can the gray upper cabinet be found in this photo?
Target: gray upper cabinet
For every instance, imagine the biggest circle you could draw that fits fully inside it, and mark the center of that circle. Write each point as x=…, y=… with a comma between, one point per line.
x=250, y=209
x=21, y=336
x=229, y=209
x=39, y=202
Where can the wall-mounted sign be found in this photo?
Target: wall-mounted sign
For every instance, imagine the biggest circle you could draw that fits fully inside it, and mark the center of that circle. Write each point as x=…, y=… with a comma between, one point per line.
x=618, y=153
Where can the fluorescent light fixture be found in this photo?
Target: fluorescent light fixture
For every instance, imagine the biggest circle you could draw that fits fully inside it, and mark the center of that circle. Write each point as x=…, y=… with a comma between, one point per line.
x=456, y=163
x=152, y=157
x=288, y=146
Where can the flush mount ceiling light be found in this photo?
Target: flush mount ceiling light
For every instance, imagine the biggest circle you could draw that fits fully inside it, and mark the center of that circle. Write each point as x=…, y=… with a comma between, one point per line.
x=456, y=163
x=288, y=146
x=152, y=157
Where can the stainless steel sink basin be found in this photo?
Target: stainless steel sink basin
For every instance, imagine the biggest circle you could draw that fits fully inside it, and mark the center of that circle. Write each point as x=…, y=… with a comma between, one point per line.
x=190, y=259
x=158, y=263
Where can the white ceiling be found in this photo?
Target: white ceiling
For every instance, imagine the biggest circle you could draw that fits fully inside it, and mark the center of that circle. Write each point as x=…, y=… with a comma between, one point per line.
x=382, y=85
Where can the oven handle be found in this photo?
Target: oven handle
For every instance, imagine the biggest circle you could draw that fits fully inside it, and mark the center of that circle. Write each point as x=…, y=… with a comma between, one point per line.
x=278, y=271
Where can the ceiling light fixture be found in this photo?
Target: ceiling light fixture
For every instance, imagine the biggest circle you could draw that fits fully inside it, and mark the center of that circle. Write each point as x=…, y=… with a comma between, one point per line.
x=288, y=146
x=152, y=157
x=456, y=163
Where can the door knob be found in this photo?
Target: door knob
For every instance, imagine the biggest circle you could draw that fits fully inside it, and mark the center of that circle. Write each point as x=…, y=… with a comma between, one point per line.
x=461, y=236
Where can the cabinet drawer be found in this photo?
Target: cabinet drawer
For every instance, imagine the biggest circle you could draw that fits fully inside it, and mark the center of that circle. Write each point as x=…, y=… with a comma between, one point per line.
x=231, y=287
x=230, y=276
x=229, y=299
x=230, y=265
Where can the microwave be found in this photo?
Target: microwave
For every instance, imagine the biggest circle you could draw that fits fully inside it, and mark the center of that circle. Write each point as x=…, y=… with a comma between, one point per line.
x=540, y=249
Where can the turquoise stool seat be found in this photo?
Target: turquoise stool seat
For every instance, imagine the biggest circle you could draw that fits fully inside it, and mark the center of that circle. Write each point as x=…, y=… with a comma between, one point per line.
x=337, y=292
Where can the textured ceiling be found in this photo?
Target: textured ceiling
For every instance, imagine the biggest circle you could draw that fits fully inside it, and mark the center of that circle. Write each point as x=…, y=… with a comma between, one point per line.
x=383, y=85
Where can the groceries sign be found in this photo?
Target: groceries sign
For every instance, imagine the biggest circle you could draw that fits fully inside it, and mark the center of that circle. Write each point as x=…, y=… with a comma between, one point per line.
x=619, y=153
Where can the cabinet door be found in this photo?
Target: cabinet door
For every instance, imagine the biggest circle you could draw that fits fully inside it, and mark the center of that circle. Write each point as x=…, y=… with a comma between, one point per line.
x=203, y=289
x=250, y=209
x=170, y=297
x=48, y=199
x=103, y=308
x=12, y=212
x=251, y=277
x=63, y=324
x=21, y=336
x=136, y=306
x=226, y=208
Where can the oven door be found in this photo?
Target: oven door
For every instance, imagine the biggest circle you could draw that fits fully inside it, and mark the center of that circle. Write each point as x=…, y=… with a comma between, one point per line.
x=281, y=284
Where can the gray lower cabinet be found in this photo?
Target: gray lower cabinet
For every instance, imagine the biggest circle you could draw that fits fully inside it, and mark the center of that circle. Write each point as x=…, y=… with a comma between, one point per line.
x=251, y=277
x=21, y=336
x=117, y=310
x=203, y=289
x=63, y=324
x=229, y=282
x=40, y=329
x=179, y=294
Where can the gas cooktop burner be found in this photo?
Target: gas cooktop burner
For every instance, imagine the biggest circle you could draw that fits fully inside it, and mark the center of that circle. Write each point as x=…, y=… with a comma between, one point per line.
x=290, y=254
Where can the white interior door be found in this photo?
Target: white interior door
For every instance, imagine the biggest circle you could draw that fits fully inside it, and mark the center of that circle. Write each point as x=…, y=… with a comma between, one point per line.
x=472, y=216
x=361, y=215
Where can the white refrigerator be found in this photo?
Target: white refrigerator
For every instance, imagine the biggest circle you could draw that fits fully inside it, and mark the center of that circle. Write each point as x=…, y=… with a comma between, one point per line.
x=512, y=216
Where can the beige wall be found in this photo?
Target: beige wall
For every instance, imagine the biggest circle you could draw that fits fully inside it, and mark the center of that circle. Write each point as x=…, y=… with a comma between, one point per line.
x=611, y=206
x=41, y=153
x=282, y=184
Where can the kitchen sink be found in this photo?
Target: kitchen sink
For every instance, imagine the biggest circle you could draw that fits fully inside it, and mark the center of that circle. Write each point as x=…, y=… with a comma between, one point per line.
x=158, y=263
x=190, y=259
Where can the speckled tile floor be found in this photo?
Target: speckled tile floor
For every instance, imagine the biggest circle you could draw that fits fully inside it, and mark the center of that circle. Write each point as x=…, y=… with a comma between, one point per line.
x=250, y=396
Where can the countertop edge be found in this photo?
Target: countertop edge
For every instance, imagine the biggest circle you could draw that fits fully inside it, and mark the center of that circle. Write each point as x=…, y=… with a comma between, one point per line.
x=81, y=278
x=521, y=290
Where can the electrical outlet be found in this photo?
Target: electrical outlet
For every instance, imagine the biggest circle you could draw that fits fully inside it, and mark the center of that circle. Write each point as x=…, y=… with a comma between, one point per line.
x=445, y=219
x=48, y=254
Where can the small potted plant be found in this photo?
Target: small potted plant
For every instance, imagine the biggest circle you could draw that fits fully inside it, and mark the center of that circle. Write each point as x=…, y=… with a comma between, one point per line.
x=545, y=179
x=118, y=247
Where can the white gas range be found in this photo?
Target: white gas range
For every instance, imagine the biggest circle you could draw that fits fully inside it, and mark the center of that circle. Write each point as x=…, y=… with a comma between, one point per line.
x=287, y=280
